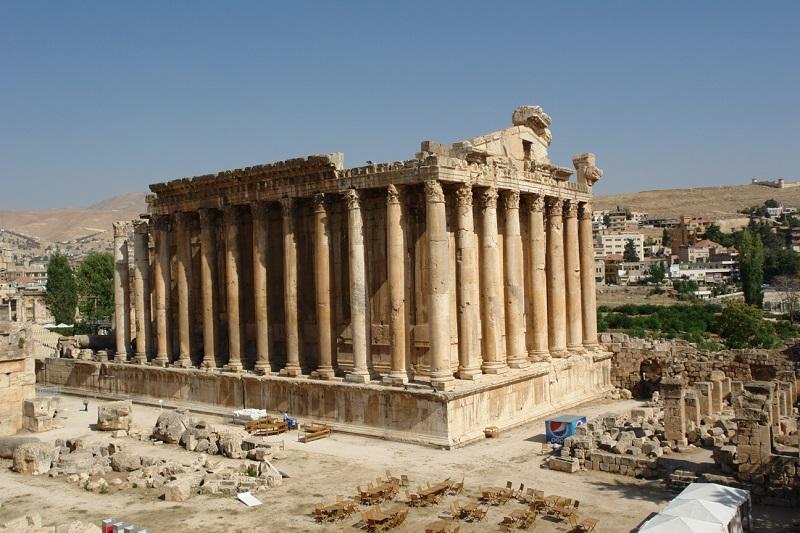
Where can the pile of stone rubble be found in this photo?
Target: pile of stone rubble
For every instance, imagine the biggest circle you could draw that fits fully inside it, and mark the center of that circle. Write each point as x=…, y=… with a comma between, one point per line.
x=32, y=523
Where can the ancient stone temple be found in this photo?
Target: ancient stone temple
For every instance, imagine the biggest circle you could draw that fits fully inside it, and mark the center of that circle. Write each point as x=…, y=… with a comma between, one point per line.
x=422, y=299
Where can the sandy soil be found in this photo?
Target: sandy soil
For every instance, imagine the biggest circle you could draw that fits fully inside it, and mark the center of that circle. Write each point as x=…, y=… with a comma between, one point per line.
x=323, y=469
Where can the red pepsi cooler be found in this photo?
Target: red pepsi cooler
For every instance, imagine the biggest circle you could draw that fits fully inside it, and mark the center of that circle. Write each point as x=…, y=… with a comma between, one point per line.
x=559, y=428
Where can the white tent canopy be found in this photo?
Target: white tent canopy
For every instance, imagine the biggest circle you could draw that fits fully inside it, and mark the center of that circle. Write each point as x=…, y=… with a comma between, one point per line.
x=701, y=510
x=714, y=493
x=662, y=523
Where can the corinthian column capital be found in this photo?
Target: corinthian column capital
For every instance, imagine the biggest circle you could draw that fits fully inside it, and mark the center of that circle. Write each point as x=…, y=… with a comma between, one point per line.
x=320, y=202
x=489, y=198
x=585, y=211
x=392, y=195
x=511, y=199
x=464, y=195
x=535, y=203
x=570, y=209
x=352, y=198
x=555, y=206
x=434, y=192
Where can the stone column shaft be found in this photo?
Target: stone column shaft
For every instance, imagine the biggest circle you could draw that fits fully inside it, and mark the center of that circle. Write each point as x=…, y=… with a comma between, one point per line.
x=122, y=328
x=467, y=274
x=516, y=354
x=260, y=251
x=537, y=311
x=572, y=271
x=291, y=326
x=183, y=268
x=208, y=279
x=556, y=299
x=358, y=288
x=141, y=289
x=322, y=279
x=588, y=295
x=396, y=275
x=492, y=317
x=438, y=286
x=161, y=284
x=233, y=262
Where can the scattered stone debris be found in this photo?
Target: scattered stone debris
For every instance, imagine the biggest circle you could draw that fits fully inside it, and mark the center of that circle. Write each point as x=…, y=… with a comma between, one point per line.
x=32, y=523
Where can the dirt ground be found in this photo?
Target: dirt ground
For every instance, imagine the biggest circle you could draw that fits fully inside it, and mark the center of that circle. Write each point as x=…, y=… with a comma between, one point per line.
x=616, y=295
x=321, y=470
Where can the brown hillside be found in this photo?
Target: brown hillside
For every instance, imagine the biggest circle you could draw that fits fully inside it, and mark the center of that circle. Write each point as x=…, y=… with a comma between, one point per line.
x=58, y=225
x=712, y=202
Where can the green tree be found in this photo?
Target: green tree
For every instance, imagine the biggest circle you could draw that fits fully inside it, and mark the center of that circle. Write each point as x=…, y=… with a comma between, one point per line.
x=743, y=326
x=713, y=233
x=666, y=237
x=95, y=278
x=629, y=254
x=62, y=291
x=751, y=266
x=657, y=272
x=772, y=202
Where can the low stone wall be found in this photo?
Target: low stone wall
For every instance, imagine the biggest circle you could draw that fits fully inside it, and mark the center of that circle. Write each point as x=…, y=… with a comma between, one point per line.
x=677, y=358
x=445, y=419
x=625, y=465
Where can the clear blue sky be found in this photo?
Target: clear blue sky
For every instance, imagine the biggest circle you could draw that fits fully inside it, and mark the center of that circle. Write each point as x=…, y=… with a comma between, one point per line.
x=99, y=98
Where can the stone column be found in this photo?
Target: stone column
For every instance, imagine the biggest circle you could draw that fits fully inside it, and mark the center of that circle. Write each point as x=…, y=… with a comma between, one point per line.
x=396, y=274
x=161, y=284
x=291, y=326
x=141, y=289
x=183, y=268
x=572, y=274
x=208, y=278
x=358, y=288
x=588, y=295
x=438, y=286
x=122, y=327
x=704, y=396
x=716, y=390
x=672, y=392
x=726, y=388
x=516, y=354
x=233, y=263
x=492, y=317
x=556, y=300
x=322, y=280
x=469, y=359
x=692, y=406
x=537, y=304
x=260, y=251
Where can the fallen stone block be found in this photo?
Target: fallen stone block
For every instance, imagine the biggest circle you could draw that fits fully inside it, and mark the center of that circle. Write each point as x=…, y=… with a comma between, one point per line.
x=33, y=458
x=178, y=490
x=113, y=416
x=563, y=464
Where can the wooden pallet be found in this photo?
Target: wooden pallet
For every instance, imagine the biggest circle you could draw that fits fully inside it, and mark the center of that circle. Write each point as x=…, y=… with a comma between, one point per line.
x=312, y=432
x=266, y=426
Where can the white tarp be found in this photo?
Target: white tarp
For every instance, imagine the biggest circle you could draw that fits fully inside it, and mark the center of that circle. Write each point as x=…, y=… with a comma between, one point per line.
x=701, y=510
x=248, y=499
x=246, y=415
x=712, y=494
x=662, y=523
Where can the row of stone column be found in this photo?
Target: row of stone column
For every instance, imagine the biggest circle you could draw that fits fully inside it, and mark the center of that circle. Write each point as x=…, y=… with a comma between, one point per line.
x=560, y=309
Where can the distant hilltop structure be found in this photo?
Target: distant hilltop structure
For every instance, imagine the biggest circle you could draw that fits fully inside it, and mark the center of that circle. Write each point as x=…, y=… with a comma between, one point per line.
x=779, y=183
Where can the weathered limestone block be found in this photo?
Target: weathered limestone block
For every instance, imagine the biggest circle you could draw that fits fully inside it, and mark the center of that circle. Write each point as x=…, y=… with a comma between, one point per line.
x=33, y=458
x=125, y=462
x=672, y=389
x=9, y=444
x=704, y=396
x=230, y=444
x=78, y=527
x=170, y=426
x=564, y=464
x=113, y=416
x=178, y=490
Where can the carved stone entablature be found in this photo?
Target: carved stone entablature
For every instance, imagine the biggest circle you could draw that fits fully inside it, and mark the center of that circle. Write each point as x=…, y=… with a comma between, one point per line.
x=121, y=228
x=586, y=167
